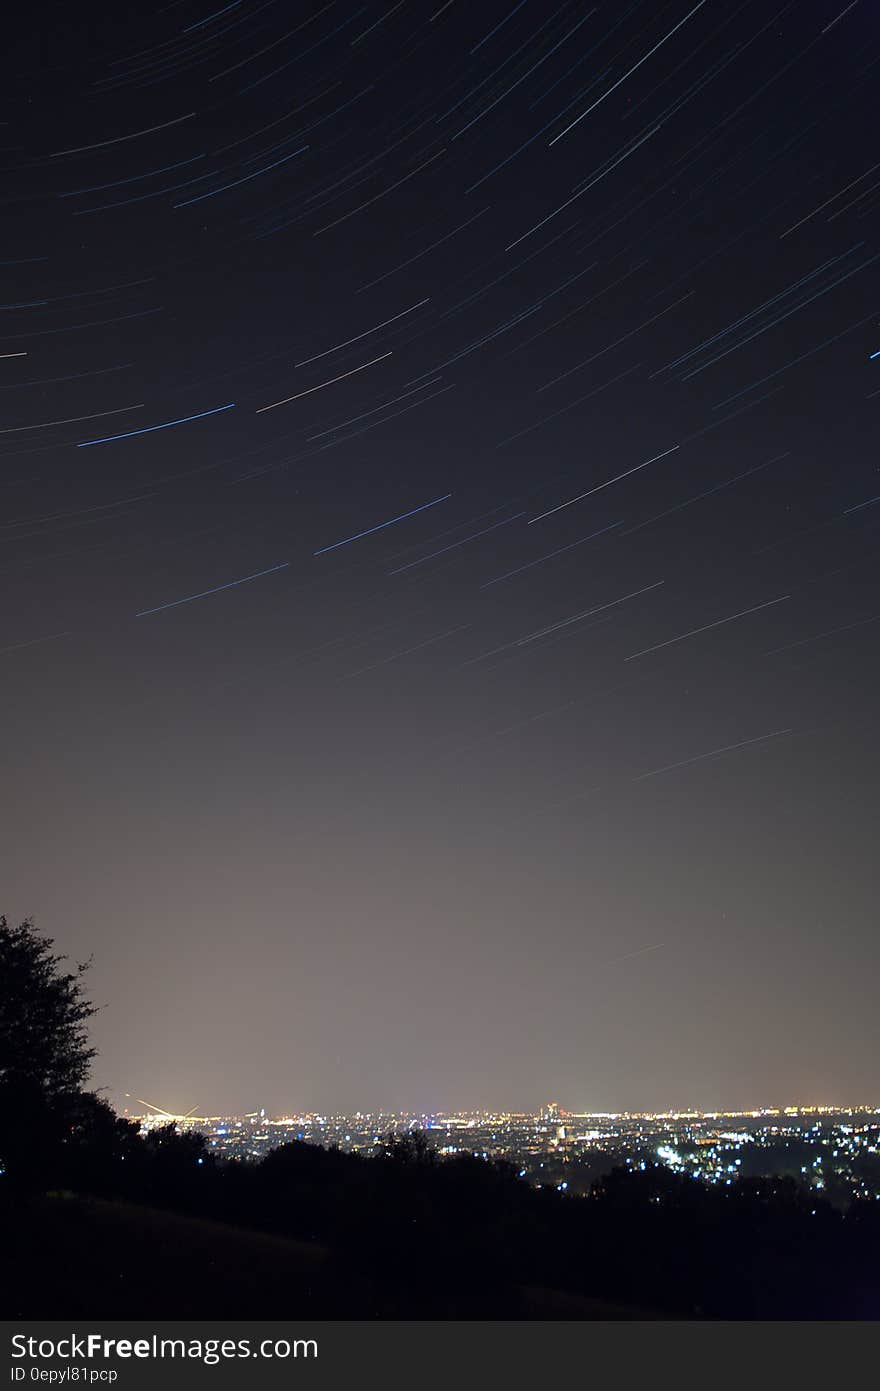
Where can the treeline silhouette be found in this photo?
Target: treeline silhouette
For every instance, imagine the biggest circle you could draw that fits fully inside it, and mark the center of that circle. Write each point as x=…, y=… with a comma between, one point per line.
x=402, y=1233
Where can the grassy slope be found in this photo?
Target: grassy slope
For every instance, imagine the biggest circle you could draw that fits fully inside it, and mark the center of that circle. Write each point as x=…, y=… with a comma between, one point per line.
x=77, y=1258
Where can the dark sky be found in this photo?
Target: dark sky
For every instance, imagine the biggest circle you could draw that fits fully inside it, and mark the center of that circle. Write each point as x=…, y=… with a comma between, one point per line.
x=440, y=605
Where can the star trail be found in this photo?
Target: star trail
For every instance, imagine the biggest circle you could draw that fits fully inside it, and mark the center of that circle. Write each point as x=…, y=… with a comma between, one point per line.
x=490, y=396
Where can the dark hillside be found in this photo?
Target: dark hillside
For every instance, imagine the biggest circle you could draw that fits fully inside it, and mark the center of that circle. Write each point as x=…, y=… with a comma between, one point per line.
x=70, y=1257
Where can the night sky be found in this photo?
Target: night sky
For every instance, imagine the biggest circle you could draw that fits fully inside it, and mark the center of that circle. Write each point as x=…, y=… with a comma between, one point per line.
x=440, y=605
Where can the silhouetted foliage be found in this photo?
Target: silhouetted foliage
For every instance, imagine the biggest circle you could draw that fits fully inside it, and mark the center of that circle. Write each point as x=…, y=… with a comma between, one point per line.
x=43, y=1013
x=45, y=1053
x=410, y=1147
x=95, y=1142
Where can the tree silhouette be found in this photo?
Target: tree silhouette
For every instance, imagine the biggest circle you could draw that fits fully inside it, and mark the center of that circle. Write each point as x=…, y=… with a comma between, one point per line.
x=410, y=1149
x=45, y=1053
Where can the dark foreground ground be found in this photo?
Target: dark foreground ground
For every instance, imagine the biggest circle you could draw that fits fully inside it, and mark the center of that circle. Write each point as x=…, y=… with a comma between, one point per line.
x=71, y=1257
x=168, y=1232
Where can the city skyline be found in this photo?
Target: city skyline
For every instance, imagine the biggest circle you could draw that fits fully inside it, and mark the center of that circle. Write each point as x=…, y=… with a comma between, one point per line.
x=548, y=1111
x=830, y=1151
